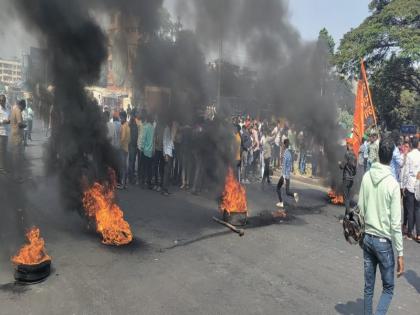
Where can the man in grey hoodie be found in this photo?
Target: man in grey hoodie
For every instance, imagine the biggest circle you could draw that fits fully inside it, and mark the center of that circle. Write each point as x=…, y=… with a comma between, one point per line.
x=380, y=207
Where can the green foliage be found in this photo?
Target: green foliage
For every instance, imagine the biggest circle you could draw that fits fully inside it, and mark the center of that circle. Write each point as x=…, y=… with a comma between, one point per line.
x=394, y=27
x=393, y=95
x=345, y=119
x=325, y=38
x=378, y=5
x=389, y=41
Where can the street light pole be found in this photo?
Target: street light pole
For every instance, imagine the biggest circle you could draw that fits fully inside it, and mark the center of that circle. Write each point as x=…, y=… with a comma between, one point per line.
x=219, y=74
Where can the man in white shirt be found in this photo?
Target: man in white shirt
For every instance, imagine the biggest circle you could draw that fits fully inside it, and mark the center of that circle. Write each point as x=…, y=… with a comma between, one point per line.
x=30, y=120
x=276, y=133
x=168, y=147
x=409, y=182
x=4, y=132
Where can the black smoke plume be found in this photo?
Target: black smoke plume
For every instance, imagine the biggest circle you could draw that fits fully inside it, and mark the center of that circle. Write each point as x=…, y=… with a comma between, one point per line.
x=293, y=76
x=76, y=48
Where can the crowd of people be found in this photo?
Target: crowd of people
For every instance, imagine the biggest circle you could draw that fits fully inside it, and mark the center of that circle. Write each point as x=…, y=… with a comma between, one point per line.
x=405, y=168
x=262, y=149
x=156, y=152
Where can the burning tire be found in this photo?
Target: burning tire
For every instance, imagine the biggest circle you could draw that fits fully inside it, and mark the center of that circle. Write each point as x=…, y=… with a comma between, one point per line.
x=233, y=205
x=33, y=273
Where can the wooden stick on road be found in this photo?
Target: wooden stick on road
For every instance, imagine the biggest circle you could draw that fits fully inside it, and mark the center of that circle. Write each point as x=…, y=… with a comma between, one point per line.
x=241, y=232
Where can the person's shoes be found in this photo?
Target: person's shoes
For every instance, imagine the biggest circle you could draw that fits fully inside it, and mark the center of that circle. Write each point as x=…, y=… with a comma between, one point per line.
x=279, y=205
x=296, y=196
x=119, y=186
x=159, y=189
x=182, y=187
x=409, y=237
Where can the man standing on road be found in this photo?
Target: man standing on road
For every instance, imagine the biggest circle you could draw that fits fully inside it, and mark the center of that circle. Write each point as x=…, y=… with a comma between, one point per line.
x=30, y=120
x=397, y=161
x=4, y=122
x=168, y=148
x=276, y=133
x=238, y=152
x=349, y=167
x=246, y=141
x=373, y=149
x=409, y=183
x=17, y=128
x=286, y=172
x=380, y=206
x=124, y=149
x=147, y=151
x=132, y=147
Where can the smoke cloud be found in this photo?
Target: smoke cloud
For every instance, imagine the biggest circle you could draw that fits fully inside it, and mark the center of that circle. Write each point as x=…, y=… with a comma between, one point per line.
x=76, y=49
x=293, y=76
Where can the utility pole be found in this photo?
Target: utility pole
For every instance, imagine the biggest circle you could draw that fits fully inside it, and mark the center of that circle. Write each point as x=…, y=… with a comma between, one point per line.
x=219, y=74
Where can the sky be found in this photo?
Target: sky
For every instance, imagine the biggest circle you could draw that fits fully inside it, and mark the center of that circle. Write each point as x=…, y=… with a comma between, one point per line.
x=308, y=16
x=337, y=16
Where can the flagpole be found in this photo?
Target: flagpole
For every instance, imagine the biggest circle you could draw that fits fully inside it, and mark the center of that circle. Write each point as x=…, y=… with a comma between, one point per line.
x=368, y=90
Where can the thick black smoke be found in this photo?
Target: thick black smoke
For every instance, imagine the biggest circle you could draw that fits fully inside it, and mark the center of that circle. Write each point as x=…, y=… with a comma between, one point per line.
x=293, y=76
x=76, y=49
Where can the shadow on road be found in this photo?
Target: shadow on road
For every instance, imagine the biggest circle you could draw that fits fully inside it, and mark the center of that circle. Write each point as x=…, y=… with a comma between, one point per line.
x=350, y=308
x=413, y=279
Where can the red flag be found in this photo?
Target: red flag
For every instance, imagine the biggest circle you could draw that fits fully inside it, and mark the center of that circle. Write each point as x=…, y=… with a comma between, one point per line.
x=364, y=111
x=368, y=108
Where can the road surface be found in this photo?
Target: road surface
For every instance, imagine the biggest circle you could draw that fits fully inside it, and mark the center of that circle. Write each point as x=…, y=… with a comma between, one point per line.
x=182, y=262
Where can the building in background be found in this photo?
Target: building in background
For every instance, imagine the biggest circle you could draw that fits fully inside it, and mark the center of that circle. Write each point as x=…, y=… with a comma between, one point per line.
x=10, y=71
x=124, y=38
x=36, y=68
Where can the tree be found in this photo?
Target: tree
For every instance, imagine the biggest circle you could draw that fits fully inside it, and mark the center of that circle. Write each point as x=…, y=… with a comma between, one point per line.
x=393, y=28
x=325, y=38
x=396, y=100
x=389, y=41
x=345, y=119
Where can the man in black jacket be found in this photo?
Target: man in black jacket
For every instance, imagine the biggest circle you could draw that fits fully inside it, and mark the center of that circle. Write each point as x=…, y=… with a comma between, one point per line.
x=132, y=147
x=349, y=167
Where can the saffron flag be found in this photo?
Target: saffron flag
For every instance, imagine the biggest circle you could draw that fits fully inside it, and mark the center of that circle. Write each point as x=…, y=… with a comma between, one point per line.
x=364, y=112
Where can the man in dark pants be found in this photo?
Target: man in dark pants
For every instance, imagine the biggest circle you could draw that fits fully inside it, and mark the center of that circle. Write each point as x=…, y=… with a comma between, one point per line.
x=349, y=167
x=409, y=182
x=286, y=172
x=158, y=159
x=380, y=208
x=168, y=148
x=132, y=148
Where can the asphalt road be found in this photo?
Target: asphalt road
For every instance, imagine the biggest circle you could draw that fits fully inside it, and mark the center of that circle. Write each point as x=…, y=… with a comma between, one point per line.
x=182, y=262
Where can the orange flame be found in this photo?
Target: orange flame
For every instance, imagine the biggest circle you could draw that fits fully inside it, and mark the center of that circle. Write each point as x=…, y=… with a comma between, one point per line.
x=33, y=253
x=234, y=195
x=99, y=203
x=336, y=198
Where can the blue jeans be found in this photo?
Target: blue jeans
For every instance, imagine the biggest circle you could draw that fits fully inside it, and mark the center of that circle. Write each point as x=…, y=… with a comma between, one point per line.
x=378, y=251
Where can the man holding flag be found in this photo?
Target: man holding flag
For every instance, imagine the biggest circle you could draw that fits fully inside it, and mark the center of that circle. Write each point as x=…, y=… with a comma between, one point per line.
x=364, y=113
